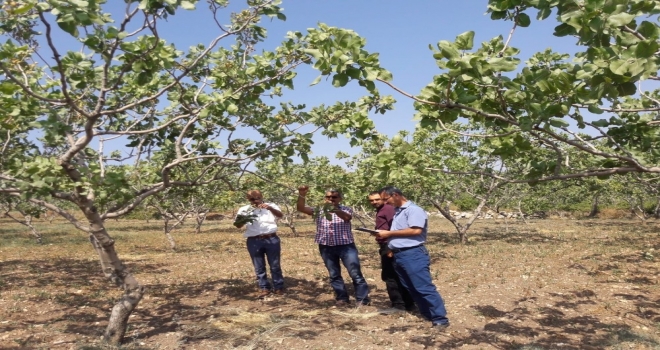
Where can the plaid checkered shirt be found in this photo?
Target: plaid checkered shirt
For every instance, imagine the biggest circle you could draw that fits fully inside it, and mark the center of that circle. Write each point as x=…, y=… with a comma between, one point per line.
x=334, y=232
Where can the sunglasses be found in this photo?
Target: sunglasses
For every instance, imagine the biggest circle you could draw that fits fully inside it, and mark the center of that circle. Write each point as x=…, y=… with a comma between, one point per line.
x=254, y=199
x=331, y=197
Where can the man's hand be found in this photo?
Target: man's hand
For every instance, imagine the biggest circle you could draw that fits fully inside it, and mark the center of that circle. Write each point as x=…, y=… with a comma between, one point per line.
x=263, y=206
x=302, y=190
x=382, y=234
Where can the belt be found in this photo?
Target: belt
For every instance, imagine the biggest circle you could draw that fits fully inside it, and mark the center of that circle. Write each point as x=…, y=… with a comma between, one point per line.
x=397, y=250
x=268, y=235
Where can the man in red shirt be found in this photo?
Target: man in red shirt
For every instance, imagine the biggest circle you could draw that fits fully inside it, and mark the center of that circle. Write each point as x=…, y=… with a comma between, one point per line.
x=399, y=296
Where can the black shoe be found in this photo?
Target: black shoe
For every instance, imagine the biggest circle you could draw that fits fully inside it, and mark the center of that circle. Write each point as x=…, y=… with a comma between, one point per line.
x=440, y=327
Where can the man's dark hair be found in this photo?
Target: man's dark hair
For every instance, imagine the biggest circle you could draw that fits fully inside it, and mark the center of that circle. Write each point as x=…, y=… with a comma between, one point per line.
x=373, y=193
x=390, y=190
x=335, y=190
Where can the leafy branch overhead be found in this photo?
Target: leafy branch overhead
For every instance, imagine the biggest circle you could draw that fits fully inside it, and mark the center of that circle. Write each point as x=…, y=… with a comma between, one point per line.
x=602, y=102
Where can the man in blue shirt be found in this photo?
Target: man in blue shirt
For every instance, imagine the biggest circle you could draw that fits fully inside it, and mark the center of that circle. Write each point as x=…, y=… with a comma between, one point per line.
x=406, y=239
x=399, y=296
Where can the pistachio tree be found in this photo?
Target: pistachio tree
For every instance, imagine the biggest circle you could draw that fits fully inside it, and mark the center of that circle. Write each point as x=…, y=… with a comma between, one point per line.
x=441, y=169
x=605, y=92
x=87, y=90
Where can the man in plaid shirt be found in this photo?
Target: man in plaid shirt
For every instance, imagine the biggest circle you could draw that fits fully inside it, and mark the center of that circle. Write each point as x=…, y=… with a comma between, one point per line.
x=335, y=239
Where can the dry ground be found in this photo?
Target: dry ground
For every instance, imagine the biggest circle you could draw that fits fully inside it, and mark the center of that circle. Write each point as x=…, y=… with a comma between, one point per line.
x=551, y=284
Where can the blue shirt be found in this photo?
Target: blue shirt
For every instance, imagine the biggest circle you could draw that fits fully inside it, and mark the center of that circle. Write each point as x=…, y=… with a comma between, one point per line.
x=405, y=216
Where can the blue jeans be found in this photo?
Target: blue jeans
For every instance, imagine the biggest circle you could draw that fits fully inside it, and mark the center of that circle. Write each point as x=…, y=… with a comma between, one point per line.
x=348, y=255
x=260, y=250
x=412, y=266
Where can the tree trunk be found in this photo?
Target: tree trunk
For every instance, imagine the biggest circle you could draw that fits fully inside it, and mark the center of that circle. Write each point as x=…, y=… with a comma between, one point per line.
x=289, y=221
x=462, y=234
x=28, y=223
x=460, y=228
x=199, y=219
x=520, y=212
x=462, y=231
x=637, y=208
x=167, y=229
x=656, y=211
x=114, y=269
x=294, y=231
x=594, y=206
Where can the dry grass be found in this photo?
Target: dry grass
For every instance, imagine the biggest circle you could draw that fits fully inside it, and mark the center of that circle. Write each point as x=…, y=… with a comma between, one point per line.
x=552, y=284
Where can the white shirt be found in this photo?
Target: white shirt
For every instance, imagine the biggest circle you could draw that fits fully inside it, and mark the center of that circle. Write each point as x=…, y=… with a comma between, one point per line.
x=265, y=222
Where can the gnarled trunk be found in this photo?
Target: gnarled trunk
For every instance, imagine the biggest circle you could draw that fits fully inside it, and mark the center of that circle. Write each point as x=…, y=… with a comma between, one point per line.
x=199, y=220
x=117, y=272
x=461, y=229
x=167, y=229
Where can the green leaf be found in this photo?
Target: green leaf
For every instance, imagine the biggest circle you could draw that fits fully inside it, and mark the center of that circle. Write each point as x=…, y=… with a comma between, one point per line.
x=627, y=89
x=646, y=49
x=594, y=109
x=448, y=50
x=69, y=27
x=564, y=30
x=601, y=123
x=8, y=88
x=187, y=5
x=143, y=78
x=339, y=80
x=523, y=20
x=370, y=73
x=314, y=52
x=649, y=30
x=620, y=19
x=22, y=9
x=385, y=75
x=465, y=41
x=232, y=108
x=316, y=81
x=558, y=123
x=503, y=64
x=630, y=67
x=543, y=13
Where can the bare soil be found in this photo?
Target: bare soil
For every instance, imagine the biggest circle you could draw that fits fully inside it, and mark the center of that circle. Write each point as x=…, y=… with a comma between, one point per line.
x=549, y=284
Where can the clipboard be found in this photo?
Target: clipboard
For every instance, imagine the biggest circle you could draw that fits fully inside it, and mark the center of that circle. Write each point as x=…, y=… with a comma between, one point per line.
x=368, y=230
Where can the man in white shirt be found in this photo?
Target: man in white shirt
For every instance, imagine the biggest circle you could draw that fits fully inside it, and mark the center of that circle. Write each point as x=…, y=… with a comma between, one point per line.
x=263, y=244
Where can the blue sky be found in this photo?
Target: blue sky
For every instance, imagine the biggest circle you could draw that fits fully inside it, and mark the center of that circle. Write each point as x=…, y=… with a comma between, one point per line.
x=400, y=31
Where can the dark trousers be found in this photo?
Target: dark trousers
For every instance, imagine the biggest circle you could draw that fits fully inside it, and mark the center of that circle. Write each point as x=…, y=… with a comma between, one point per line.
x=412, y=266
x=399, y=295
x=262, y=250
x=347, y=254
